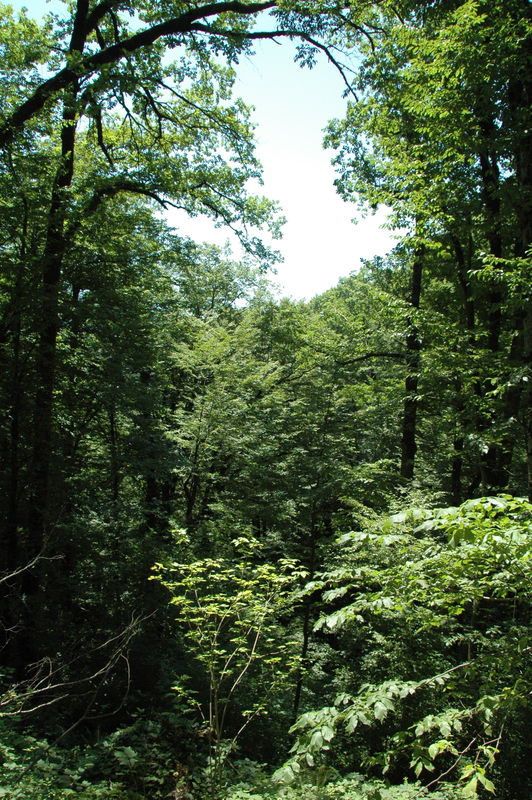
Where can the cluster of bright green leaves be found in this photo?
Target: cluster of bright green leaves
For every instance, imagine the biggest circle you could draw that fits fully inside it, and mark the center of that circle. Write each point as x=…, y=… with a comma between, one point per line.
x=484, y=557
x=229, y=609
x=24, y=45
x=465, y=572
x=325, y=784
x=162, y=128
x=282, y=413
x=433, y=135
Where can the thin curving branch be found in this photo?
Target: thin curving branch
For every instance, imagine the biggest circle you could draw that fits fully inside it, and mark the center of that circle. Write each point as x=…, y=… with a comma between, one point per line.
x=272, y=35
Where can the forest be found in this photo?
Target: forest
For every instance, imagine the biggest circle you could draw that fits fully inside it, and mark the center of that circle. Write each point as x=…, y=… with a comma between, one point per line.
x=255, y=548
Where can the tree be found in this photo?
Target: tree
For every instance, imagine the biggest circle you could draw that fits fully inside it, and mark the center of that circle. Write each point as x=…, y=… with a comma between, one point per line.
x=148, y=384
x=230, y=611
x=430, y=95
x=152, y=148
x=113, y=116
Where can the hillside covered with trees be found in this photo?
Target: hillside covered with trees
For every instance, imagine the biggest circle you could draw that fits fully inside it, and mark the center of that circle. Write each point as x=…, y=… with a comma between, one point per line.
x=253, y=548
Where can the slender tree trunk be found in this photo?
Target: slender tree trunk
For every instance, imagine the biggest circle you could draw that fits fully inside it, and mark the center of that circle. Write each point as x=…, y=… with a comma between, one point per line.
x=456, y=471
x=113, y=456
x=413, y=361
x=494, y=463
x=12, y=518
x=12, y=522
x=11, y=558
x=307, y=626
x=307, y=629
x=520, y=102
x=490, y=191
x=463, y=264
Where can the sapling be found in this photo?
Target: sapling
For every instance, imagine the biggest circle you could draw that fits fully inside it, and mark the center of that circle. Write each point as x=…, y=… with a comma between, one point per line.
x=228, y=610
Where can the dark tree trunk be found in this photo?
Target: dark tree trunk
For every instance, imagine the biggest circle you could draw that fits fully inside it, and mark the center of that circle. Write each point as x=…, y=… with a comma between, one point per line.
x=463, y=259
x=494, y=463
x=413, y=360
x=11, y=544
x=490, y=191
x=456, y=471
x=307, y=624
x=526, y=399
x=463, y=265
x=52, y=261
x=40, y=508
x=11, y=557
x=43, y=512
x=114, y=463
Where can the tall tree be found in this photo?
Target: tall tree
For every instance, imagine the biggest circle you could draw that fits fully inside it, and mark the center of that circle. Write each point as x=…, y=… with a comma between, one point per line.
x=432, y=137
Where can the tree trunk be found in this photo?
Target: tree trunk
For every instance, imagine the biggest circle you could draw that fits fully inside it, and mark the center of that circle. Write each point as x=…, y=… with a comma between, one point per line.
x=43, y=515
x=495, y=462
x=39, y=515
x=11, y=544
x=307, y=623
x=52, y=261
x=413, y=359
x=463, y=264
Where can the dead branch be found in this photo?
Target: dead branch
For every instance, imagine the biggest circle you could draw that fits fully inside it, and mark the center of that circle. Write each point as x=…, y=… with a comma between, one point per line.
x=27, y=697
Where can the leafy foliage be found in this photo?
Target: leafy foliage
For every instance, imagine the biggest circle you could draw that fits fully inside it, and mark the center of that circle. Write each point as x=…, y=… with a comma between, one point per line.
x=158, y=405
x=230, y=609
x=466, y=574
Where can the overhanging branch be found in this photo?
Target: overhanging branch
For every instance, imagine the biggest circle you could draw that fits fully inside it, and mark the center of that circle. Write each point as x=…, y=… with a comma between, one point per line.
x=272, y=35
x=111, y=190
x=116, y=52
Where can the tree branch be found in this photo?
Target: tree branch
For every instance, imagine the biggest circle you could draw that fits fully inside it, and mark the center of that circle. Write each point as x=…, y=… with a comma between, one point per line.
x=110, y=190
x=116, y=52
x=98, y=13
x=272, y=35
x=367, y=356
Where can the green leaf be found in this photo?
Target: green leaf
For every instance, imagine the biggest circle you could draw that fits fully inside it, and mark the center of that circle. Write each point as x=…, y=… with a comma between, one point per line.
x=380, y=711
x=470, y=788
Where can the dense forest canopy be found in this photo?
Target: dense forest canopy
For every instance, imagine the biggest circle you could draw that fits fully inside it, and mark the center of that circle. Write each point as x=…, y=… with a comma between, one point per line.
x=256, y=548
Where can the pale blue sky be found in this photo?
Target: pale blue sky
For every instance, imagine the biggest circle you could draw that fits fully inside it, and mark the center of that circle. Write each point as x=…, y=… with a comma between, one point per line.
x=292, y=106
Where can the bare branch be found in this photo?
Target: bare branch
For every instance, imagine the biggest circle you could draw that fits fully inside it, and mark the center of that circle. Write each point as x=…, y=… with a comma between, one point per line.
x=454, y=764
x=38, y=691
x=39, y=557
x=359, y=29
x=110, y=190
x=99, y=135
x=211, y=115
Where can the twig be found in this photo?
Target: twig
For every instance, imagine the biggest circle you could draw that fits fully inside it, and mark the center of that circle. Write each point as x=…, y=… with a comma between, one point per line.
x=453, y=766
